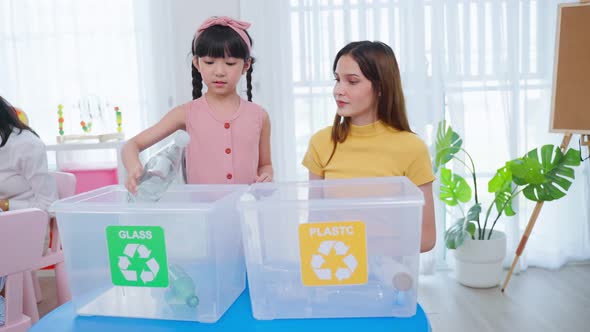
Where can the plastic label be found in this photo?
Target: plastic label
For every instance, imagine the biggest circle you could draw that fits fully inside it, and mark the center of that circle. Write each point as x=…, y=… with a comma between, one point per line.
x=137, y=256
x=333, y=253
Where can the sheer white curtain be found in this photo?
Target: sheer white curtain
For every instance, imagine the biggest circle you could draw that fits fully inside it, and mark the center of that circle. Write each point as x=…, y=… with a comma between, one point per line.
x=486, y=66
x=55, y=52
x=156, y=58
x=272, y=79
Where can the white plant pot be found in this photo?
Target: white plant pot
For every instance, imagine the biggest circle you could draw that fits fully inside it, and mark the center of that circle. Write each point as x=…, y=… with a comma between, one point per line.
x=479, y=262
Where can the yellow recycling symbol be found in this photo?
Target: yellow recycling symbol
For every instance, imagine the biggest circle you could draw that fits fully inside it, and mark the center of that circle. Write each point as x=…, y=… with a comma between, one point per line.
x=333, y=253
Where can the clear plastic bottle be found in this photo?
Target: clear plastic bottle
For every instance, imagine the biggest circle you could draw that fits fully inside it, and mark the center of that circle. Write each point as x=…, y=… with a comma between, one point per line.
x=182, y=288
x=161, y=170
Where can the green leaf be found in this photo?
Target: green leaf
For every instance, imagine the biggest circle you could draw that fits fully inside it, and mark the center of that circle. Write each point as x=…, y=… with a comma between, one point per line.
x=501, y=186
x=453, y=188
x=498, y=182
x=546, y=178
x=470, y=229
x=572, y=158
x=503, y=202
x=526, y=170
x=473, y=213
x=455, y=236
x=448, y=143
x=546, y=154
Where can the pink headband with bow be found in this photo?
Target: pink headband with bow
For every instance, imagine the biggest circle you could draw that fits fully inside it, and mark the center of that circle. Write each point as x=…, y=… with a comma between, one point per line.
x=238, y=26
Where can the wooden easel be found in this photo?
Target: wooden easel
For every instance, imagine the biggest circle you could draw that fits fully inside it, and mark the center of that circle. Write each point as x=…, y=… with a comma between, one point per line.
x=585, y=141
x=529, y=227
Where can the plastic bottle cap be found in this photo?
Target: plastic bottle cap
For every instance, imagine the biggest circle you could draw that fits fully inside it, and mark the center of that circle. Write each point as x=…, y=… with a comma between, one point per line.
x=402, y=281
x=192, y=301
x=181, y=139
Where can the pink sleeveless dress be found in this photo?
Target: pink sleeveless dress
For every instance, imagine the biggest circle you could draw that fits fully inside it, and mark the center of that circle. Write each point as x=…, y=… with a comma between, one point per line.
x=222, y=151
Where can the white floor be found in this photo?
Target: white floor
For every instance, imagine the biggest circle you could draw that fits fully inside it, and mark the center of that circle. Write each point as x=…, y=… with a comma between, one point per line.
x=535, y=300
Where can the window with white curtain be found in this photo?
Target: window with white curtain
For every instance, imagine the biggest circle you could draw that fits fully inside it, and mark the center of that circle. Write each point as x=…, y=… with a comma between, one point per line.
x=57, y=52
x=484, y=65
x=477, y=60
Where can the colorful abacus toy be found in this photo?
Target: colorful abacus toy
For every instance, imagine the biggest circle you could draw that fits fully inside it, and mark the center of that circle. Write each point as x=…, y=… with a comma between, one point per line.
x=86, y=127
x=119, y=119
x=91, y=110
x=60, y=119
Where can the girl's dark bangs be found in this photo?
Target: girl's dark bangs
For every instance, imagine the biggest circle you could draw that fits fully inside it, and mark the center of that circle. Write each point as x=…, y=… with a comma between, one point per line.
x=219, y=42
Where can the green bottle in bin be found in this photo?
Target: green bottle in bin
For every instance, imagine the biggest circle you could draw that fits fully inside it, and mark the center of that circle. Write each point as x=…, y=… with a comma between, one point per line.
x=182, y=288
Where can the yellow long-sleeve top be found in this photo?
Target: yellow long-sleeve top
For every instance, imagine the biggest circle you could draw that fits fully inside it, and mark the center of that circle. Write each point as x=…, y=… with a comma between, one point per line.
x=372, y=150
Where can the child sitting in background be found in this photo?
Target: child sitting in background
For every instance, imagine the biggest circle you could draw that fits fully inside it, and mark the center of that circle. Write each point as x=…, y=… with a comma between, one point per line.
x=25, y=179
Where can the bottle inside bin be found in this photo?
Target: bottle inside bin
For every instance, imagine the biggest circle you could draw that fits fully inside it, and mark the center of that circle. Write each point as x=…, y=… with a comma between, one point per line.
x=161, y=170
x=182, y=288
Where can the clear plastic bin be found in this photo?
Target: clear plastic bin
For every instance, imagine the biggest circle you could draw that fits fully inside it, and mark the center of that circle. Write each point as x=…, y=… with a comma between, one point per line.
x=180, y=258
x=333, y=248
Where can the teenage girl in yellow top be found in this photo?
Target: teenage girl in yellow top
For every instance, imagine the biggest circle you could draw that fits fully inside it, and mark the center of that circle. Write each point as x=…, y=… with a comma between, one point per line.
x=371, y=136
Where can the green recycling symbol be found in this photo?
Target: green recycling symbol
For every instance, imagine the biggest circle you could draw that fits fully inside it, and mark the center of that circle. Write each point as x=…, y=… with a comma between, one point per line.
x=137, y=256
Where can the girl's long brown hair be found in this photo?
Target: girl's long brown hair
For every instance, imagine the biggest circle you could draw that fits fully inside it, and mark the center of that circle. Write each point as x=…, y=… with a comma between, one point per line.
x=379, y=65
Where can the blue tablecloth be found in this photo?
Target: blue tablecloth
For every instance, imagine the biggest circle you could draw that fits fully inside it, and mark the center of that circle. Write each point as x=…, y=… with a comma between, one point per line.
x=237, y=318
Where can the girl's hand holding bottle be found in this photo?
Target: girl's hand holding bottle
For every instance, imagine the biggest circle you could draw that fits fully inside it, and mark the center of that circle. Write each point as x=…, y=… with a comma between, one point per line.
x=264, y=177
x=133, y=177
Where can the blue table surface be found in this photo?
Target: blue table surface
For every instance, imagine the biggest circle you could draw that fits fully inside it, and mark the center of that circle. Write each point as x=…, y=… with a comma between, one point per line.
x=237, y=318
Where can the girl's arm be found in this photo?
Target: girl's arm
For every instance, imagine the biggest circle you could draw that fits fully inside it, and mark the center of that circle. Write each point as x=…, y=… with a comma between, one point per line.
x=171, y=122
x=265, y=172
x=428, y=225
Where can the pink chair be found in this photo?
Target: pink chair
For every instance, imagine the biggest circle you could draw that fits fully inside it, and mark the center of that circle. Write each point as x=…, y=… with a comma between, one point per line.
x=66, y=186
x=21, y=247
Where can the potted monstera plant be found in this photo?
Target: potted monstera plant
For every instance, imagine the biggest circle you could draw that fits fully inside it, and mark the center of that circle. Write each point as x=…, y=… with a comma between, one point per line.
x=543, y=174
